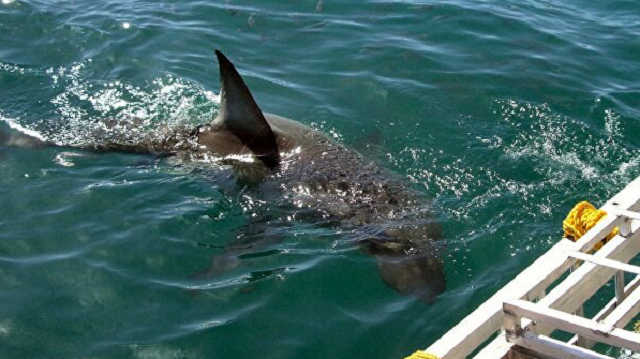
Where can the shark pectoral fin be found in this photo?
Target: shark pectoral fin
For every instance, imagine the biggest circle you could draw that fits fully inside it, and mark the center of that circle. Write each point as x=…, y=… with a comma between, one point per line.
x=240, y=114
x=218, y=265
x=418, y=272
x=253, y=241
x=417, y=276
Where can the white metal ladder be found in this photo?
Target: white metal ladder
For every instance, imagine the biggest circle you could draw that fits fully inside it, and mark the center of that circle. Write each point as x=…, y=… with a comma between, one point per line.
x=529, y=324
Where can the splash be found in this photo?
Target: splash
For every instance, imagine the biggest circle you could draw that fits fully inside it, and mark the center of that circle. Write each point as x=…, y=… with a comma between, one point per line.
x=15, y=125
x=88, y=113
x=529, y=164
x=570, y=147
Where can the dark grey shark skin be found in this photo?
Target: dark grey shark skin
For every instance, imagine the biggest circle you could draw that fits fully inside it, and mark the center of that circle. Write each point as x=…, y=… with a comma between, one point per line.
x=321, y=178
x=388, y=217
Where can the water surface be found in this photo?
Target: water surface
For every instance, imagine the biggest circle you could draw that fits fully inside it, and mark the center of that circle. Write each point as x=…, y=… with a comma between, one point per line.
x=504, y=113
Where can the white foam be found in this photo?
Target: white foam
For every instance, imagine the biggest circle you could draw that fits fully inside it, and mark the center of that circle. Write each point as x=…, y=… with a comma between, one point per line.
x=18, y=127
x=88, y=113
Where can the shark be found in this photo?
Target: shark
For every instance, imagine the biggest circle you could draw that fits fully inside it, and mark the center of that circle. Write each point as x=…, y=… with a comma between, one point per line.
x=321, y=177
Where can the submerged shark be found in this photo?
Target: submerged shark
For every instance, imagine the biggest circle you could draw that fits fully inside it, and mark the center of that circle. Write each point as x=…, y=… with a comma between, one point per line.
x=320, y=177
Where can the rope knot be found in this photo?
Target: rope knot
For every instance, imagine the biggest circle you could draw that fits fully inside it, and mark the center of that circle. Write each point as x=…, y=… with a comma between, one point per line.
x=581, y=219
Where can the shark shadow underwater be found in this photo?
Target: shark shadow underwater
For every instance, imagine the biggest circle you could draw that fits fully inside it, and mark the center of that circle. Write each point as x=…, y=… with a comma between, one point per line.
x=321, y=179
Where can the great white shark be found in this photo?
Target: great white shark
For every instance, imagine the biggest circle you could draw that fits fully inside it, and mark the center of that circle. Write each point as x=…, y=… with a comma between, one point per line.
x=318, y=173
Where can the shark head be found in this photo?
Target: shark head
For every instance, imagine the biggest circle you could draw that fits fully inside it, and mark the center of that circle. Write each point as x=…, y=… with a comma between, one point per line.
x=240, y=127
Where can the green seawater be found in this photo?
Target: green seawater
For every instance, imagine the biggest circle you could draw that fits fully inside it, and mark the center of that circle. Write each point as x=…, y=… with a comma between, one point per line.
x=504, y=113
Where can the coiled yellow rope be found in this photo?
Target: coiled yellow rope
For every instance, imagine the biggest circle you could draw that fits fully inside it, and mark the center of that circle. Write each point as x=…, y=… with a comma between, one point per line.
x=421, y=355
x=581, y=219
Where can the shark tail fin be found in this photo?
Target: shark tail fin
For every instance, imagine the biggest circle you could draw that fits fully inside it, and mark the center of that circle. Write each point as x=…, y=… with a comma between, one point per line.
x=240, y=114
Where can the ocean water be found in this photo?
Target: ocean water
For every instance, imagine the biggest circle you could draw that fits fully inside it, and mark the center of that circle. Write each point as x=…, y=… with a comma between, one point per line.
x=504, y=114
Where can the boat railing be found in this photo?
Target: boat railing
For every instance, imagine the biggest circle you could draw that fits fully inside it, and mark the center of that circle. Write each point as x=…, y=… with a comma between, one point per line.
x=529, y=308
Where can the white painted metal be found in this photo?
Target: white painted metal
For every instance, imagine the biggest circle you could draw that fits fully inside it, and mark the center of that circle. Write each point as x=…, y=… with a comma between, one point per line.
x=584, y=282
x=601, y=332
x=486, y=320
x=568, y=296
x=581, y=341
x=635, y=283
x=624, y=213
x=624, y=312
x=625, y=228
x=619, y=286
x=606, y=262
x=579, y=286
x=555, y=348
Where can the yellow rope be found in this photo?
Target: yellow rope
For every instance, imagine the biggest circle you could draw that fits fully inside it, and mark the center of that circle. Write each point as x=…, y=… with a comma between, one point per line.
x=581, y=219
x=421, y=355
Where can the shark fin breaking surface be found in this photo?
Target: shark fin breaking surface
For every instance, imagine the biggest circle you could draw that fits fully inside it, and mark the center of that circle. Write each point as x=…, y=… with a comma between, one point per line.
x=240, y=114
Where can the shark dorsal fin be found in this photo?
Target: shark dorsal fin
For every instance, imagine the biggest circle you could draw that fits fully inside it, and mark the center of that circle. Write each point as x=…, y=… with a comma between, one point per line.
x=240, y=114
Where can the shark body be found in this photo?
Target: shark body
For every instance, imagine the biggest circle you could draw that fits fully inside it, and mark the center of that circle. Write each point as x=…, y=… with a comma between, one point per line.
x=319, y=175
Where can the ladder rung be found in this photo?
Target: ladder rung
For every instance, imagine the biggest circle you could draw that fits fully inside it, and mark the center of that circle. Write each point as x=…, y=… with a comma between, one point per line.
x=605, y=262
x=557, y=349
x=624, y=213
x=588, y=328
